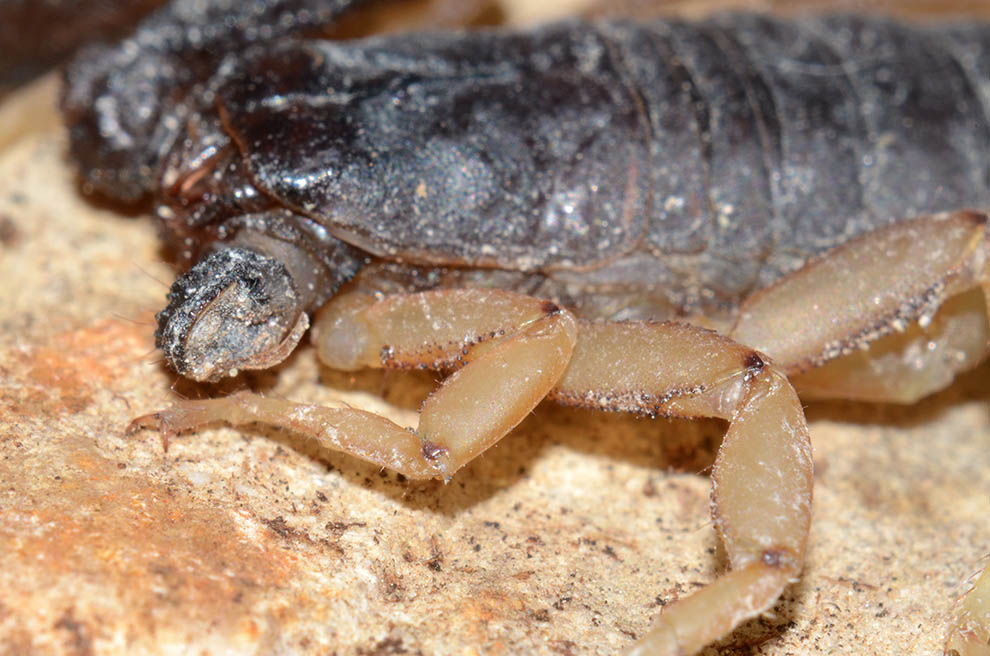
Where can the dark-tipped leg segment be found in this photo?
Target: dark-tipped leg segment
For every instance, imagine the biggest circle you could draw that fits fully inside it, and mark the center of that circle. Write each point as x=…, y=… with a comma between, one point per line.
x=894, y=315
x=762, y=480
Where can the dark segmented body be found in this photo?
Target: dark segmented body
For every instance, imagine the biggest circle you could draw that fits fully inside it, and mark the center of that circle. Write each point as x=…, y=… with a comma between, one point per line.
x=628, y=169
x=728, y=151
x=125, y=103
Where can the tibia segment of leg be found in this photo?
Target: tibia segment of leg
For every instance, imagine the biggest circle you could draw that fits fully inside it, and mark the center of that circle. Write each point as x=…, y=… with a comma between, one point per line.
x=893, y=315
x=906, y=366
x=511, y=350
x=762, y=480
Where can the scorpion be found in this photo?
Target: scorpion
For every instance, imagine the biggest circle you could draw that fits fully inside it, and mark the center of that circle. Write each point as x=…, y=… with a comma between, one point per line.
x=689, y=219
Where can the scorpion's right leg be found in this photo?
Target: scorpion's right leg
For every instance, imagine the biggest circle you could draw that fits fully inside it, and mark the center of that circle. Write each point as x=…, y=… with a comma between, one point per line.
x=514, y=350
x=517, y=348
x=763, y=473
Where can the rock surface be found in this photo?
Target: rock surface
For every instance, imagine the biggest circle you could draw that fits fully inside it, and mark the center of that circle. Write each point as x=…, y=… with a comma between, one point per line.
x=567, y=538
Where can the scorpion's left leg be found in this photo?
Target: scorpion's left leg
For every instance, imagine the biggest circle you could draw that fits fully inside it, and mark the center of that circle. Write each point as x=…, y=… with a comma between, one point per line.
x=762, y=478
x=892, y=316
x=510, y=349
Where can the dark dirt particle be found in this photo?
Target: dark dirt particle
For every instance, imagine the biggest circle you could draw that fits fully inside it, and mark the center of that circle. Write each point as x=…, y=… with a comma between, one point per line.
x=383, y=647
x=80, y=643
x=10, y=234
x=433, y=451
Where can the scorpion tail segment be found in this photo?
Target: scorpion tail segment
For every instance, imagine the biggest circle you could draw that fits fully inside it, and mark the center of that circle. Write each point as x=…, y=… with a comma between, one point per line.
x=763, y=474
x=969, y=633
x=510, y=350
x=236, y=309
x=903, y=307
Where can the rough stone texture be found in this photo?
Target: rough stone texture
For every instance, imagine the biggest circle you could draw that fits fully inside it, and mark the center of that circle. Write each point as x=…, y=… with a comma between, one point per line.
x=567, y=538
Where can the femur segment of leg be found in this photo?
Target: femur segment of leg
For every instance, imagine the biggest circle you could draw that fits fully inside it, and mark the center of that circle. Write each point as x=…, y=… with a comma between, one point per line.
x=891, y=316
x=429, y=330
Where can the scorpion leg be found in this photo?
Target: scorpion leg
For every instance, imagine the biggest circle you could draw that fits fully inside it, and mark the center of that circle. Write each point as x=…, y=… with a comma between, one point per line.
x=969, y=634
x=762, y=479
x=891, y=316
x=907, y=309
x=511, y=349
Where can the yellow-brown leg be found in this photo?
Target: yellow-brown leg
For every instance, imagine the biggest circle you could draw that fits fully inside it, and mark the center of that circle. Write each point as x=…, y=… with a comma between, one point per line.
x=892, y=316
x=514, y=350
x=969, y=632
x=762, y=479
x=511, y=349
